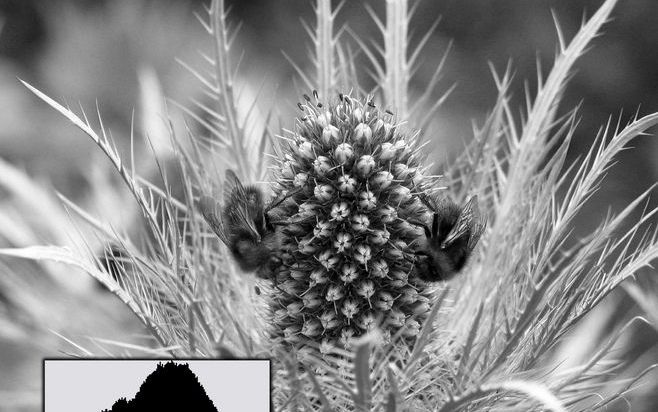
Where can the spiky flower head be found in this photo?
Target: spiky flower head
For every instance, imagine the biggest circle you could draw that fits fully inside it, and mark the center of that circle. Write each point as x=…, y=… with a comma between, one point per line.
x=347, y=258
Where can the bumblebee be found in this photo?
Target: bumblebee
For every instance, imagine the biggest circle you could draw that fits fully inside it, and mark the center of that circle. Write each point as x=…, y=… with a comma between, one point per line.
x=243, y=224
x=449, y=241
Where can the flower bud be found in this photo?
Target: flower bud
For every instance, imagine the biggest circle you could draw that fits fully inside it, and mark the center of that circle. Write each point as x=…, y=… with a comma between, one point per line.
x=379, y=268
x=360, y=223
x=318, y=276
x=327, y=259
x=367, y=321
x=379, y=237
x=398, y=283
x=409, y=294
x=291, y=332
x=321, y=165
x=343, y=241
x=334, y=293
x=420, y=308
x=307, y=209
x=384, y=301
x=328, y=320
x=349, y=273
x=411, y=328
x=358, y=114
x=396, y=318
x=330, y=134
x=294, y=309
x=297, y=274
x=379, y=125
x=349, y=308
x=339, y=211
x=306, y=150
x=365, y=165
x=346, y=184
x=280, y=315
x=287, y=171
x=324, y=119
x=362, y=133
x=343, y=153
x=291, y=286
x=311, y=328
x=347, y=337
x=387, y=129
x=326, y=347
x=323, y=192
x=402, y=171
x=401, y=194
x=382, y=179
x=362, y=254
x=400, y=275
x=388, y=151
x=367, y=200
x=306, y=246
x=300, y=180
x=311, y=300
x=366, y=289
x=322, y=229
x=387, y=214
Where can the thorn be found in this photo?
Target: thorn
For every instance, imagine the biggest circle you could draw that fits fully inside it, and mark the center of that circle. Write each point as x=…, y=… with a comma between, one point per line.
x=389, y=112
x=300, y=106
x=341, y=97
x=371, y=104
x=319, y=104
x=315, y=94
x=308, y=99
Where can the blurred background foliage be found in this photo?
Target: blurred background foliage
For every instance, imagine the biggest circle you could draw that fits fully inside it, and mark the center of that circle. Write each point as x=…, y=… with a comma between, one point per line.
x=91, y=50
x=111, y=51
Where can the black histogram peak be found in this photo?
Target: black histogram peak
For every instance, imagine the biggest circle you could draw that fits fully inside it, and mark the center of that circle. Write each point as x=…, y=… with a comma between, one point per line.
x=171, y=387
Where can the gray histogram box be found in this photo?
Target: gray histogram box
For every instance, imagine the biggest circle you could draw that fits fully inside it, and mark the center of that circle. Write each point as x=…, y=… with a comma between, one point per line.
x=129, y=385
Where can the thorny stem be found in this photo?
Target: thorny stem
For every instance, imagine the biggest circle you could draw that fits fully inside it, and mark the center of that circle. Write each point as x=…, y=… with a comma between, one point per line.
x=395, y=44
x=529, y=148
x=224, y=85
x=324, y=48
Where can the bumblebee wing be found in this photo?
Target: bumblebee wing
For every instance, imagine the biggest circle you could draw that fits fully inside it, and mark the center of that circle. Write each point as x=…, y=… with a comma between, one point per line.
x=469, y=220
x=212, y=212
x=233, y=187
x=248, y=200
x=240, y=218
x=478, y=228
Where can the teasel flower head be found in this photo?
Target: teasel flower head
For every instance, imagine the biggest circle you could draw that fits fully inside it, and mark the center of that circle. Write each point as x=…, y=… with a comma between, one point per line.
x=349, y=226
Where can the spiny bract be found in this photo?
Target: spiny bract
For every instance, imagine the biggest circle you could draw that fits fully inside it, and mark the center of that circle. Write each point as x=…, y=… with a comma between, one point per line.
x=351, y=224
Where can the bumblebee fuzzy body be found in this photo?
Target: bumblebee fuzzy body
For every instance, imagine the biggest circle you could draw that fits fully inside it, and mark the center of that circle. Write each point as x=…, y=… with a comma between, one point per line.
x=243, y=225
x=449, y=241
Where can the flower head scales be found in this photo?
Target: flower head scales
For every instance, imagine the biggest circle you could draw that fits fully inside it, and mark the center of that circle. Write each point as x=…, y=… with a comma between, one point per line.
x=354, y=177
